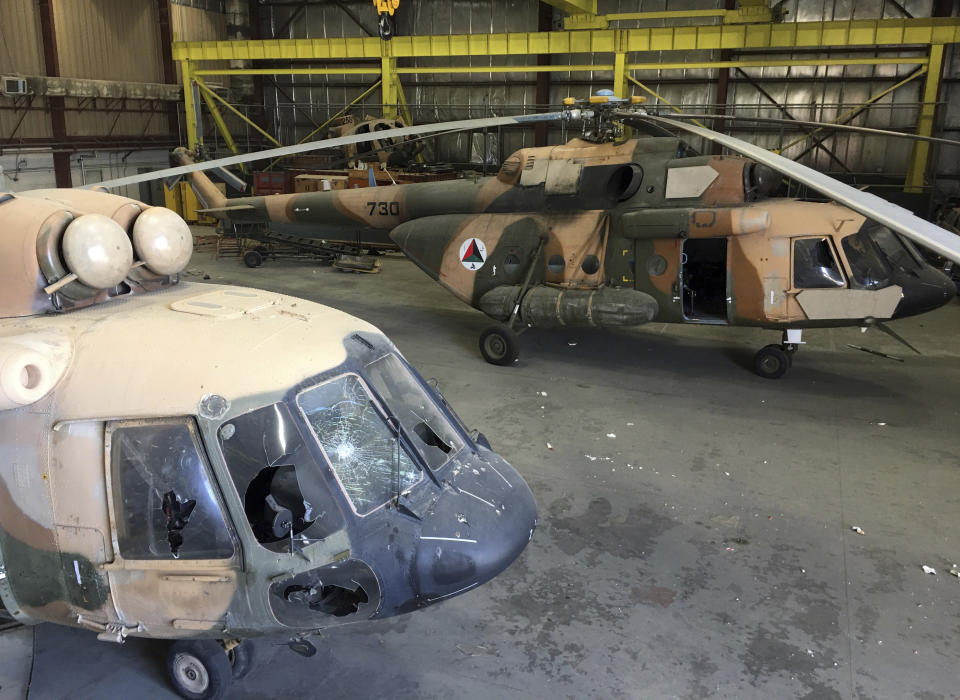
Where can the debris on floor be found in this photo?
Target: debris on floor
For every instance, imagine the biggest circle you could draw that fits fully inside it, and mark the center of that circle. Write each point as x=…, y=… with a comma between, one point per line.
x=856, y=529
x=549, y=446
x=955, y=571
x=929, y=570
x=611, y=435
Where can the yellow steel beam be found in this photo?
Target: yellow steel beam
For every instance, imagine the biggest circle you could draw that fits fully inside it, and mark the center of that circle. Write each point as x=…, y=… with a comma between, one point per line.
x=620, y=75
x=208, y=92
x=189, y=104
x=744, y=63
x=772, y=62
x=388, y=87
x=372, y=70
x=921, y=149
x=849, y=113
x=834, y=34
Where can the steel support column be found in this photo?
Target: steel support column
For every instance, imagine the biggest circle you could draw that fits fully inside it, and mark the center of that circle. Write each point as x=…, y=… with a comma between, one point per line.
x=58, y=121
x=388, y=86
x=921, y=149
x=620, y=75
x=190, y=107
x=542, y=97
x=166, y=59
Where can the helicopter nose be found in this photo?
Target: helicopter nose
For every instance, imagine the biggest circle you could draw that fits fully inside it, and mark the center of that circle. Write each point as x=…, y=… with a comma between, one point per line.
x=478, y=527
x=930, y=291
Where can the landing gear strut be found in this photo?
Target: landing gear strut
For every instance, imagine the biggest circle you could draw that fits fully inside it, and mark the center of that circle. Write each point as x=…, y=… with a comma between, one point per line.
x=500, y=344
x=773, y=361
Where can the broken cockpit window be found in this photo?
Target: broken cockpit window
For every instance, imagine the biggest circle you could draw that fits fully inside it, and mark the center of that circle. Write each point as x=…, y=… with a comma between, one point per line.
x=286, y=497
x=165, y=502
x=364, y=452
x=425, y=424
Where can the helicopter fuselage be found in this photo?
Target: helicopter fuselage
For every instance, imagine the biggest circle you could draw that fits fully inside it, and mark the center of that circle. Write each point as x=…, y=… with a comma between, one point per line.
x=696, y=239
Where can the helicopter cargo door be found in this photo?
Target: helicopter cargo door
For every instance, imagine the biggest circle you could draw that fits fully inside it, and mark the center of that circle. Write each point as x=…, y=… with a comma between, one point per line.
x=177, y=558
x=703, y=280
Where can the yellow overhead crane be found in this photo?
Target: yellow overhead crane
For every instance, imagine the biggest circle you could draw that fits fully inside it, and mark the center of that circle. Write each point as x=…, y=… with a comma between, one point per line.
x=752, y=27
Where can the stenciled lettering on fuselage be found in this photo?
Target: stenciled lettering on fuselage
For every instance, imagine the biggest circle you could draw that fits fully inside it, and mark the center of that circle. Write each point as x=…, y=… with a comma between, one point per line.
x=473, y=253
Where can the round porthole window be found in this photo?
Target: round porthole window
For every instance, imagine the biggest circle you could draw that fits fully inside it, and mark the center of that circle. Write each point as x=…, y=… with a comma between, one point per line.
x=656, y=265
x=590, y=264
x=556, y=263
x=511, y=264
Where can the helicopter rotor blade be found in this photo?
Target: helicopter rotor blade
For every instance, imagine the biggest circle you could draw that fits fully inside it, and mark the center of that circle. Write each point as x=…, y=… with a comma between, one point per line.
x=821, y=125
x=880, y=210
x=461, y=125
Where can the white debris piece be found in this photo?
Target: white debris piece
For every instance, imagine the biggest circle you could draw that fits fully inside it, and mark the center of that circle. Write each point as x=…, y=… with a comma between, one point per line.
x=571, y=344
x=955, y=571
x=630, y=424
x=543, y=393
x=591, y=458
x=549, y=446
x=929, y=570
x=856, y=529
x=881, y=423
x=611, y=435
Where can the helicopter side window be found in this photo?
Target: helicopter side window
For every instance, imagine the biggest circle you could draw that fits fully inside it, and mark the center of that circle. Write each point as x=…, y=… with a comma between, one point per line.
x=363, y=451
x=814, y=265
x=165, y=502
x=901, y=254
x=431, y=434
x=868, y=268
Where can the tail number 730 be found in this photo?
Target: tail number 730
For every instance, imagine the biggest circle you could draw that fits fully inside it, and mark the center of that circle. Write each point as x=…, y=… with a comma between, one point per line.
x=384, y=208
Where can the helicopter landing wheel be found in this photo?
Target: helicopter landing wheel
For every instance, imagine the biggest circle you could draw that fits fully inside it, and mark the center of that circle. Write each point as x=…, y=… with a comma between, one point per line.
x=199, y=669
x=772, y=362
x=252, y=258
x=499, y=345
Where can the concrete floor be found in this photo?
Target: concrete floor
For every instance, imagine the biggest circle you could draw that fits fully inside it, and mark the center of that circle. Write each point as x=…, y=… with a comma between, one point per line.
x=705, y=551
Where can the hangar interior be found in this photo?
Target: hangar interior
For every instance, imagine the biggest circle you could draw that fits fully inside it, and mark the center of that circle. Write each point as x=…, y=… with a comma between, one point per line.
x=700, y=531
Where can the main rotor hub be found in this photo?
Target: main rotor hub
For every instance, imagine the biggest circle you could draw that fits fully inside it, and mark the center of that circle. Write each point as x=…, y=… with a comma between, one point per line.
x=601, y=115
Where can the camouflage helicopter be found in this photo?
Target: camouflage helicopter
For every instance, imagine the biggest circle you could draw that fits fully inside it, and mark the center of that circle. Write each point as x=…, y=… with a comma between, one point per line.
x=147, y=491
x=611, y=231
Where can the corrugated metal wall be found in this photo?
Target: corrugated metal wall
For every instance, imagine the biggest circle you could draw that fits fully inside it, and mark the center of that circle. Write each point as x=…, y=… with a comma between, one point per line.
x=98, y=39
x=21, y=51
x=807, y=92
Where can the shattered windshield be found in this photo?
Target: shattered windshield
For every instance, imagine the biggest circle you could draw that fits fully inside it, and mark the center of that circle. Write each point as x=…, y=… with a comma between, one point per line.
x=423, y=422
x=866, y=265
x=364, y=452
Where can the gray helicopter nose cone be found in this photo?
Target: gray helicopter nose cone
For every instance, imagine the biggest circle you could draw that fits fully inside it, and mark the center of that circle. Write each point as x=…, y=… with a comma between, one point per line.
x=931, y=290
x=478, y=527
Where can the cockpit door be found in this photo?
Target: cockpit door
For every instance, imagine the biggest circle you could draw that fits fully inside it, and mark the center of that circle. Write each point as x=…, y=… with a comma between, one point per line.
x=177, y=558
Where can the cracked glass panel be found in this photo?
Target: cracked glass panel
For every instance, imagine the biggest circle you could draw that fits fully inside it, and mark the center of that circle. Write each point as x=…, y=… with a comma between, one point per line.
x=362, y=449
x=165, y=503
x=423, y=422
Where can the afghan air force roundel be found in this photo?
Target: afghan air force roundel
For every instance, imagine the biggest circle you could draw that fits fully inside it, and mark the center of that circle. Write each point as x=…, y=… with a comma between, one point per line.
x=473, y=253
